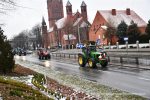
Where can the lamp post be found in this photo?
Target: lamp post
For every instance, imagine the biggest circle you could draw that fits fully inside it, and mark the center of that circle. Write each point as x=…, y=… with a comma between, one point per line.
x=68, y=41
x=79, y=34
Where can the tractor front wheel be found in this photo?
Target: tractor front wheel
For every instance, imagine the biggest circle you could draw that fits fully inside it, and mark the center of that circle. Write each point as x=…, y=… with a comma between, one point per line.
x=91, y=63
x=104, y=63
x=81, y=61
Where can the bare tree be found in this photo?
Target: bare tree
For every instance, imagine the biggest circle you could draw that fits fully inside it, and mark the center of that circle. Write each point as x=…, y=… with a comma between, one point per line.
x=36, y=30
x=21, y=40
x=7, y=5
x=110, y=31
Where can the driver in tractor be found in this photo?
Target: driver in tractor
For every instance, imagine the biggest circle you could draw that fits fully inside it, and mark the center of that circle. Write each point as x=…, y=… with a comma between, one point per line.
x=88, y=51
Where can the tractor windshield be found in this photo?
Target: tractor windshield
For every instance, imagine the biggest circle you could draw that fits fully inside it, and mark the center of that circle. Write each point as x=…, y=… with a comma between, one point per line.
x=92, y=48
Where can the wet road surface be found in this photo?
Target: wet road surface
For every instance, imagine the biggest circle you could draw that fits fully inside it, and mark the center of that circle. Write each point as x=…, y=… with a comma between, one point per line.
x=136, y=81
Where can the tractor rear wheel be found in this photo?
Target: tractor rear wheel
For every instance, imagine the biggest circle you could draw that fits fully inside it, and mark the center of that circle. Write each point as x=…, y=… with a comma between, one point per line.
x=91, y=63
x=81, y=61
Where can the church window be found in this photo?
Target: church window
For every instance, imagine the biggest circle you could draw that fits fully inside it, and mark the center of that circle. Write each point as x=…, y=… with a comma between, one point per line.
x=69, y=9
x=84, y=10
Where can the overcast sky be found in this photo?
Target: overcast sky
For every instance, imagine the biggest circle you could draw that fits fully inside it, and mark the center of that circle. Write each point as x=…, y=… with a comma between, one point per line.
x=25, y=18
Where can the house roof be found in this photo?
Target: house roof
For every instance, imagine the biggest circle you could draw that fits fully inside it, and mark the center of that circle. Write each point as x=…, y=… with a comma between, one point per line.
x=122, y=16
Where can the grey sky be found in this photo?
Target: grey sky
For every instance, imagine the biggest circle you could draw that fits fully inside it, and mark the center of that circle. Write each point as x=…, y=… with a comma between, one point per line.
x=25, y=18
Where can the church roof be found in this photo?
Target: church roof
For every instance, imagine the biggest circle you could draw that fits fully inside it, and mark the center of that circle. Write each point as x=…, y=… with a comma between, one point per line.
x=84, y=24
x=122, y=16
x=61, y=22
x=77, y=21
x=83, y=3
x=51, y=29
x=68, y=3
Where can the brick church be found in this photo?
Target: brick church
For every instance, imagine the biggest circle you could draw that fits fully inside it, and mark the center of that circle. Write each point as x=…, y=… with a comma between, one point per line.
x=65, y=31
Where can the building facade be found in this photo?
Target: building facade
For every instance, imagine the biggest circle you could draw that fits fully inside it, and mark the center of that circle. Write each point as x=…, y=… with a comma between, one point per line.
x=65, y=31
x=113, y=18
x=55, y=11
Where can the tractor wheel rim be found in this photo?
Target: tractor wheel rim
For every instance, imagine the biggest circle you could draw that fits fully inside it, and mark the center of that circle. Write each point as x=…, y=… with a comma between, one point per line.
x=80, y=60
x=90, y=63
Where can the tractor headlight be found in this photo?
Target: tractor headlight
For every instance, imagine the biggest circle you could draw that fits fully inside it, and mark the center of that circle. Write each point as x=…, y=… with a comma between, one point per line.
x=104, y=55
x=100, y=57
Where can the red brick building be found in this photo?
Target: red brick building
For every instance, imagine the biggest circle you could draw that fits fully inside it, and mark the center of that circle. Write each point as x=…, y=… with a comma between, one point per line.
x=113, y=17
x=65, y=31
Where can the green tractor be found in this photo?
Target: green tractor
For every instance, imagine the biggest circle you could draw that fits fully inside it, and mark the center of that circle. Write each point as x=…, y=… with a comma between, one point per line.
x=93, y=57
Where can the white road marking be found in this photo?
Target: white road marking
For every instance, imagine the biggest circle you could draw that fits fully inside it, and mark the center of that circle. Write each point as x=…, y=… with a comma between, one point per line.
x=142, y=78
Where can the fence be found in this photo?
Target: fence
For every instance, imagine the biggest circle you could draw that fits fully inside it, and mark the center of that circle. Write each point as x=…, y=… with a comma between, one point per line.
x=131, y=58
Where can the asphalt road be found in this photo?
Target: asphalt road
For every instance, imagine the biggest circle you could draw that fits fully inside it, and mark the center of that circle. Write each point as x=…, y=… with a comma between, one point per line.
x=136, y=81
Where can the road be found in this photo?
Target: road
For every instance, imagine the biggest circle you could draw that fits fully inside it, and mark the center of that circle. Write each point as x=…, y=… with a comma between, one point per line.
x=136, y=81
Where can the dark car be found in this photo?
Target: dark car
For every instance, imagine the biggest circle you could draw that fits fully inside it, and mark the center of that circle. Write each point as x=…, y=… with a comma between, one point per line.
x=19, y=51
x=43, y=54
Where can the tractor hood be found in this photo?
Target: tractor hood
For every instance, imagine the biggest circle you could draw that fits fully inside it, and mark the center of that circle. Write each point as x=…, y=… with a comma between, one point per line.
x=95, y=53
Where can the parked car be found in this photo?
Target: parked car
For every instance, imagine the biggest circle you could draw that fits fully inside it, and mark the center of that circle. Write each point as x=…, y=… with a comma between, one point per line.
x=29, y=51
x=19, y=51
x=43, y=54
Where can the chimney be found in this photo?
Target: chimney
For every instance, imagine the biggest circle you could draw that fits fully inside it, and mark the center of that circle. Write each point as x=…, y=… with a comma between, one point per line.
x=113, y=11
x=128, y=11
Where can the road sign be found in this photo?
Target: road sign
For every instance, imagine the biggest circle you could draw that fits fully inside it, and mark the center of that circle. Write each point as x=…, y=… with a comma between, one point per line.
x=125, y=38
x=98, y=41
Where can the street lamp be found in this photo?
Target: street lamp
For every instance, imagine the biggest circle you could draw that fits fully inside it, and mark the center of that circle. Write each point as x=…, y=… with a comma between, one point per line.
x=79, y=34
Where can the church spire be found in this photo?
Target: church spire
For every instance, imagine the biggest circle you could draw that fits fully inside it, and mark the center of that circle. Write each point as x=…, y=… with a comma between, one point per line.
x=84, y=10
x=69, y=9
x=68, y=3
x=43, y=21
x=83, y=4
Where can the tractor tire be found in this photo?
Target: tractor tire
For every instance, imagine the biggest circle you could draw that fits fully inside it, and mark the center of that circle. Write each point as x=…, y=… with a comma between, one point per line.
x=81, y=61
x=49, y=56
x=91, y=63
x=104, y=64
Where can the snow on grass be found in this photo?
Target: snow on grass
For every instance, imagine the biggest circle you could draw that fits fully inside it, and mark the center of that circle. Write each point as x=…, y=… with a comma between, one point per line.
x=80, y=84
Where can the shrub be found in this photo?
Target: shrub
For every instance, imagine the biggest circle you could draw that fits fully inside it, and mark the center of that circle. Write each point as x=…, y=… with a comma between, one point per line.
x=6, y=57
x=16, y=93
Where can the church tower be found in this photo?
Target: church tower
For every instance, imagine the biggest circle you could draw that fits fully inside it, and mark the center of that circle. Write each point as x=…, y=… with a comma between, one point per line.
x=84, y=10
x=44, y=34
x=55, y=11
x=69, y=9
